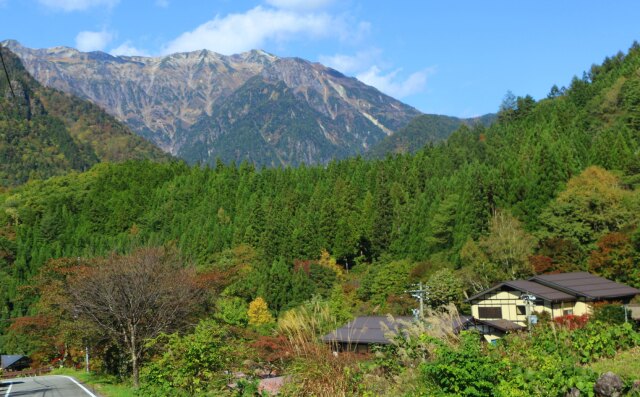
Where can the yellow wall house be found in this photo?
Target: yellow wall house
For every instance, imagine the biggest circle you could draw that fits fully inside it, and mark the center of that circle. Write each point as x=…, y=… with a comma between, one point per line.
x=507, y=306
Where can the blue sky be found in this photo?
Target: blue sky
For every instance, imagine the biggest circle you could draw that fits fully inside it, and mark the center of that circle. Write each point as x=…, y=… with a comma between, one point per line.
x=449, y=57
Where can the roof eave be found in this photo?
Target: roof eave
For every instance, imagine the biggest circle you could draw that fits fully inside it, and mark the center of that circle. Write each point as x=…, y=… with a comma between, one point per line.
x=468, y=300
x=495, y=287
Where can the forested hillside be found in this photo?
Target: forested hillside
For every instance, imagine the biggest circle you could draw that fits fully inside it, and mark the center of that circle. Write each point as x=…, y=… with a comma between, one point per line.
x=417, y=207
x=552, y=185
x=44, y=132
x=423, y=130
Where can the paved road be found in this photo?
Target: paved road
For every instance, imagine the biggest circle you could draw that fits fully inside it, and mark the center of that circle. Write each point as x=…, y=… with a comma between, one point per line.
x=44, y=386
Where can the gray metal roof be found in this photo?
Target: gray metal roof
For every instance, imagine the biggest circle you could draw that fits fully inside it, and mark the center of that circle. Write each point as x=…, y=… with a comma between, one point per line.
x=586, y=285
x=539, y=290
x=365, y=330
x=371, y=329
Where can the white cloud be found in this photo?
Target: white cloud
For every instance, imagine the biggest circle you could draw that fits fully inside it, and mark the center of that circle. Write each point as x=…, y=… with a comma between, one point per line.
x=362, y=60
x=127, y=49
x=93, y=41
x=392, y=84
x=77, y=5
x=369, y=67
x=241, y=32
x=162, y=3
x=299, y=4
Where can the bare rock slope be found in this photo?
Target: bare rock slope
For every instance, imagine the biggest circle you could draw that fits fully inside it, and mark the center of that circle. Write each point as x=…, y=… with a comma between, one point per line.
x=202, y=105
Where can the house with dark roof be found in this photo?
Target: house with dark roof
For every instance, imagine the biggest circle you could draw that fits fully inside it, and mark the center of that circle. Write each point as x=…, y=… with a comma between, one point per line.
x=362, y=332
x=506, y=306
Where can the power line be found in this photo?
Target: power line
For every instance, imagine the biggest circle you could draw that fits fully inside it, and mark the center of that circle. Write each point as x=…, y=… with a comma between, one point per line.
x=421, y=294
x=6, y=72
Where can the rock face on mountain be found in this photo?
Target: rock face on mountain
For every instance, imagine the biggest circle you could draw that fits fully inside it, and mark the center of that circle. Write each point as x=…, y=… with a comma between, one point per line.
x=202, y=105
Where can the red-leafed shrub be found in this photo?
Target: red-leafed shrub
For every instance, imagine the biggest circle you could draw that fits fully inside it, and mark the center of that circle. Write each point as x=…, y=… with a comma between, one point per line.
x=541, y=264
x=571, y=321
x=273, y=351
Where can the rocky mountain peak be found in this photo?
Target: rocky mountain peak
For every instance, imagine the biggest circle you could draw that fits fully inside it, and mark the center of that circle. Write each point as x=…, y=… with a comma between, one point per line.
x=200, y=97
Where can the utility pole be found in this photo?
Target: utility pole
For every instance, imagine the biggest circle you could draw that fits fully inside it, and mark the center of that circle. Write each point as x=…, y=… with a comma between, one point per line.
x=421, y=294
x=86, y=358
x=529, y=301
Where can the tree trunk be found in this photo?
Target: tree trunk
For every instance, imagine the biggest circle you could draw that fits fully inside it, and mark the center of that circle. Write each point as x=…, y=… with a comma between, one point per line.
x=136, y=371
x=134, y=360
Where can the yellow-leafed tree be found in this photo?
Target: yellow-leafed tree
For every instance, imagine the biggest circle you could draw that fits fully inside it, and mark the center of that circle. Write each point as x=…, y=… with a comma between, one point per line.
x=329, y=262
x=259, y=312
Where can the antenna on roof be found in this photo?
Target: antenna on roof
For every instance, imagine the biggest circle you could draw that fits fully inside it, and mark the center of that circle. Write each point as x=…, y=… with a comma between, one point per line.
x=6, y=72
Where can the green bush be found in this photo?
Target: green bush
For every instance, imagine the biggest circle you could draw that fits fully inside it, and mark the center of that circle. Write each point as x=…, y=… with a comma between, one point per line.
x=598, y=340
x=542, y=363
x=464, y=370
x=609, y=314
x=192, y=364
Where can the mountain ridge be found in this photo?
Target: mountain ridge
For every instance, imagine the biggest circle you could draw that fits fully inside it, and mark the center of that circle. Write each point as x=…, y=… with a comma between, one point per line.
x=174, y=99
x=423, y=130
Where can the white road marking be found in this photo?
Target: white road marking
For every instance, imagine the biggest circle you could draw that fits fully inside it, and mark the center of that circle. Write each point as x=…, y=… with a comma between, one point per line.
x=79, y=385
x=8, y=390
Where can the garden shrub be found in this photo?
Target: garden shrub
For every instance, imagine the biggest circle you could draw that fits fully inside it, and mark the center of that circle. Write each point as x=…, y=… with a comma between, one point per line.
x=463, y=370
x=192, y=364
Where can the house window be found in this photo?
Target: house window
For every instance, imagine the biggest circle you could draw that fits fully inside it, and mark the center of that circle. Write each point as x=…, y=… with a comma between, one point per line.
x=522, y=310
x=490, y=312
x=567, y=312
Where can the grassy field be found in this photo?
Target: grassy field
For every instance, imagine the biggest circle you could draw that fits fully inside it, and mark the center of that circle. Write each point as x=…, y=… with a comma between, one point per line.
x=626, y=364
x=105, y=386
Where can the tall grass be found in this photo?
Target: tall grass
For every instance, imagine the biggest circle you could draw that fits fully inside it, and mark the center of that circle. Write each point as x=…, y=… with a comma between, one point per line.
x=316, y=370
x=305, y=324
x=411, y=338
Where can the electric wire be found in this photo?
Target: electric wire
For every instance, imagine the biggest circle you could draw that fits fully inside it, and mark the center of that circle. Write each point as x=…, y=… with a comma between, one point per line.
x=6, y=73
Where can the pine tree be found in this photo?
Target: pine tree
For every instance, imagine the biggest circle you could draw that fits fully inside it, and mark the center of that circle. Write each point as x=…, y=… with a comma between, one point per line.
x=276, y=288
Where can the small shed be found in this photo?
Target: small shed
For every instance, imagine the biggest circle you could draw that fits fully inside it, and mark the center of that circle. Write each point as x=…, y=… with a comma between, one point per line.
x=362, y=332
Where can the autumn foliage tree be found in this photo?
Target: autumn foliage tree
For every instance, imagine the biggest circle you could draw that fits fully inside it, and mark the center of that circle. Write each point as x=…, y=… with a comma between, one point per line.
x=593, y=204
x=134, y=298
x=52, y=334
x=616, y=259
x=259, y=312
